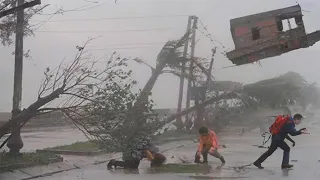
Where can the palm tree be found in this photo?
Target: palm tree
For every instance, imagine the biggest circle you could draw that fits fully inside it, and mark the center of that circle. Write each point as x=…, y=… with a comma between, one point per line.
x=169, y=61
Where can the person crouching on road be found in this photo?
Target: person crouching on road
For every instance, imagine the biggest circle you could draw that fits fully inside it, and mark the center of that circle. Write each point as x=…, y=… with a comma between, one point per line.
x=139, y=148
x=208, y=144
x=280, y=129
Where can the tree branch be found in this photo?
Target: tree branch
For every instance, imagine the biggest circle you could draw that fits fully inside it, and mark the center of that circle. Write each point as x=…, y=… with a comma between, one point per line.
x=18, y=8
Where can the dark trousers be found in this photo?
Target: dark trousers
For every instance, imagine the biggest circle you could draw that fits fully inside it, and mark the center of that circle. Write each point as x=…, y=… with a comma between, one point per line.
x=158, y=160
x=132, y=164
x=205, y=153
x=274, y=145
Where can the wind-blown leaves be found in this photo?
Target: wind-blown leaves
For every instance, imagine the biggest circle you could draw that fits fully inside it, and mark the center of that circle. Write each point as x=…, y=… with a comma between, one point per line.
x=170, y=51
x=277, y=91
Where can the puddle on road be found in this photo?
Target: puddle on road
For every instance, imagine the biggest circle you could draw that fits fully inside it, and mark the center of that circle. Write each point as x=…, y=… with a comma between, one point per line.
x=193, y=171
x=169, y=169
x=180, y=168
x=214, y=177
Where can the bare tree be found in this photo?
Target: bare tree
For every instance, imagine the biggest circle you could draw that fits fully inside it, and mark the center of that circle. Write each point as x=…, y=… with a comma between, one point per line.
x=71, y=85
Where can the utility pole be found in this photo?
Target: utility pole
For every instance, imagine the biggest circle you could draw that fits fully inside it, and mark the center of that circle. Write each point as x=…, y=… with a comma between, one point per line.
x=193, y=43
x=19, y=7
x=15, y=142
x=201, y=110
x=183, y=69
x=214, y=50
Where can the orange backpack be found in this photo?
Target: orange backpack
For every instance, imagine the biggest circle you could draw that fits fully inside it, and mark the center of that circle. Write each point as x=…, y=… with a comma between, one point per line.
x=280, y=121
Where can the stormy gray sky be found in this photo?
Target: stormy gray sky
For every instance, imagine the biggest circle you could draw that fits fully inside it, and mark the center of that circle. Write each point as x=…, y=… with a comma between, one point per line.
x=48, y=47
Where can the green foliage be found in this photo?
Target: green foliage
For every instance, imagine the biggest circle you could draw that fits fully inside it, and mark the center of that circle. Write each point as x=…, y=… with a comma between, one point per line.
x=32, y=158
x=88, y=146
x=109, y=116
x=170, y=52
x=277, y=91
x=8, y=27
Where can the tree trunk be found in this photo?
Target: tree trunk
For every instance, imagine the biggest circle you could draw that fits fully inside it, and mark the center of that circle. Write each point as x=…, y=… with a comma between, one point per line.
x=201, y=111
x=229, y=95
x=31, y=111
x=162, y=62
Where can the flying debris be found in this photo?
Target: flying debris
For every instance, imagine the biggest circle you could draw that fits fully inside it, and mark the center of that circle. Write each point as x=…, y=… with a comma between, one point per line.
x=269, y=34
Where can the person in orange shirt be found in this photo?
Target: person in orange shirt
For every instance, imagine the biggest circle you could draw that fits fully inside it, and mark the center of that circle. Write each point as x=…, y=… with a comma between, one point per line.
x=208, y=144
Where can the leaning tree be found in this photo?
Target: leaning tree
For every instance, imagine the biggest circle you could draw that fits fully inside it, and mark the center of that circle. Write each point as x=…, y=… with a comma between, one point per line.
x=83, y=86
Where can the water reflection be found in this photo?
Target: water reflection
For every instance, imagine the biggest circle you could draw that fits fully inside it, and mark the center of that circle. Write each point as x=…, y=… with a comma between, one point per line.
x=285, y=172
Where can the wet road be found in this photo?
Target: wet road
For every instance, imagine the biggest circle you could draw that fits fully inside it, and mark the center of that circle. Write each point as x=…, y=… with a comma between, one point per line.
x=49, y=137
x=239, y=152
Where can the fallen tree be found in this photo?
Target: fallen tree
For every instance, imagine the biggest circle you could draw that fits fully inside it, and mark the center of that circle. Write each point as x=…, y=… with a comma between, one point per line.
x=226, y=103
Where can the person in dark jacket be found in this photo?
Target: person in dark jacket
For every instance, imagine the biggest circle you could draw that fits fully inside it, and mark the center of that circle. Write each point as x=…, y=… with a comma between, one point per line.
x=140, y=147
x=278, y=141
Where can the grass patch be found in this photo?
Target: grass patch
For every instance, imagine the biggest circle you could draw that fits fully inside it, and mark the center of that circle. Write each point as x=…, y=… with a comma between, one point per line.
x=10, y=162
x=88, y=146
x=182, y=168
x=172, y=136
x=160, y=141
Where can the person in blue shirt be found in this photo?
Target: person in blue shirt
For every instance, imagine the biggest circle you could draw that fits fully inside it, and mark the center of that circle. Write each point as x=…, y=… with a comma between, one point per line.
x=278, y=141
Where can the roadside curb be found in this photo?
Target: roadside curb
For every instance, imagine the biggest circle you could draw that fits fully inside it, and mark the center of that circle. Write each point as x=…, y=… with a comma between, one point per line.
x=68, y=152
x=69, y=169
x=18, y=166
x=50, y=174
x=38, y=171
x=26, y=175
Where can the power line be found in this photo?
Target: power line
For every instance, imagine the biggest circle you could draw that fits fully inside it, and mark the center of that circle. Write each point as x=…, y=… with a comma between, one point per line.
x=61, y=11
x=80, y=8
x=125, y=44
x=109, y=31
x=209, y=36
x=112, y=18
x=111, y=48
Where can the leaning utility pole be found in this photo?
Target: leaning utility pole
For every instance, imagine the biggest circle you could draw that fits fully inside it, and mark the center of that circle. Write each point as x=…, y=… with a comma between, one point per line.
x=183, y=69
x=15, y=142
x=201, y=110
x=193, y=43
x=213, y=50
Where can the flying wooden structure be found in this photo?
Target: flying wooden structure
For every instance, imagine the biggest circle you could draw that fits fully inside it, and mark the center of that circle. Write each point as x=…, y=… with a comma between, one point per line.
x=263, y=35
